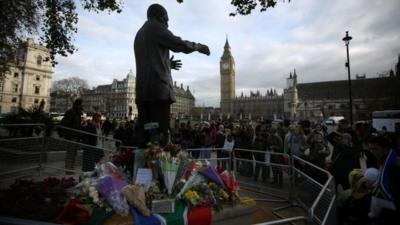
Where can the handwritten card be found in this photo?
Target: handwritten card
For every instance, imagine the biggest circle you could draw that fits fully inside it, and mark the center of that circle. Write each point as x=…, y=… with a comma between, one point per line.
x=144, y=176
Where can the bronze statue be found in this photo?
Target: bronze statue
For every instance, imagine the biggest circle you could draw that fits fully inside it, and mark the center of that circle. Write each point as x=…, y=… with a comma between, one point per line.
x=154, y=87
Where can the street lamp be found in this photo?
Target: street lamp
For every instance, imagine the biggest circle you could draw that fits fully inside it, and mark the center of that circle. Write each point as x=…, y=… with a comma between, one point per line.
x=346, y=40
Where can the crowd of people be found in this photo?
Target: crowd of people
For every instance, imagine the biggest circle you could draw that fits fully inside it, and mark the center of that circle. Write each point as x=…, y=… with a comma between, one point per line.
x=366, y=198
x=341, y=152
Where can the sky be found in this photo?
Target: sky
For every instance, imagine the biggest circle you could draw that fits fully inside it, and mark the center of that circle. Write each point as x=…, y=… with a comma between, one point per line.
x=305, y=35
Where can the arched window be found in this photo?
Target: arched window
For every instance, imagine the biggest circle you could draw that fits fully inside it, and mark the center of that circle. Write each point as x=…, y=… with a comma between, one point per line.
x=39, y=60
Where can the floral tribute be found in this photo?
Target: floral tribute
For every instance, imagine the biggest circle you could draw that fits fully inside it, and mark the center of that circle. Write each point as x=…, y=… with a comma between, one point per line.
x=186, y=184
x=35, y=200
x=124, y=159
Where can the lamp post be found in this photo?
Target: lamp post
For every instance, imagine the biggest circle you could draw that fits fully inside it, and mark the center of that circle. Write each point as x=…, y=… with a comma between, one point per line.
x=346, y=40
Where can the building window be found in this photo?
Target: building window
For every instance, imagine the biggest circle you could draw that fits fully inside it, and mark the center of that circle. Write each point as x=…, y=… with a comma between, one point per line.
x=39, y=60
x=16, y=75
x=36, y=101
x=37, y=77
x=14, y=87
x=1, y=86
x=37, y=90
x=14, y=99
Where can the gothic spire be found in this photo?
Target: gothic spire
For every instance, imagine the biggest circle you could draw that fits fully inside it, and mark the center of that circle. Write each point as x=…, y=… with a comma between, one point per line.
x=227, y=43
x=227, y=50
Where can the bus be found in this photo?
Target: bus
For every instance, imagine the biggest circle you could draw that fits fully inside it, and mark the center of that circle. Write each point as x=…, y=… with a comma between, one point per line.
x=57, y=117
x=389, y=119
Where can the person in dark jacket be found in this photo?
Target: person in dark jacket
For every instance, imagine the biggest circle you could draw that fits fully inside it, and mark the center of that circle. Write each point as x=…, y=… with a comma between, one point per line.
x=260, y=144
x=275, y=145
x=154, y=88
x=71, y=119
x=91, y=155
x=107, y=127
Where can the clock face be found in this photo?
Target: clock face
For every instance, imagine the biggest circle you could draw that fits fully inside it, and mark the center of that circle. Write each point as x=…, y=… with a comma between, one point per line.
x=225, y=66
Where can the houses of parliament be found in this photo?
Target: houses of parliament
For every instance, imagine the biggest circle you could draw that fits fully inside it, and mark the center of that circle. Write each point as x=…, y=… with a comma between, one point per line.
x=313, y=101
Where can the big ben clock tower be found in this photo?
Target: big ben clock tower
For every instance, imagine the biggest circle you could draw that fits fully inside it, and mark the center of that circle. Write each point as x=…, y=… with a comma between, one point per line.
x=227, y=70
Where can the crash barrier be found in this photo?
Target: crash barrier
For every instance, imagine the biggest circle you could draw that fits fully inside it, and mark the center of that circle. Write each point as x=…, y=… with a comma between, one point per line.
x=289, y=179
x=28, y=150
x=314, y=189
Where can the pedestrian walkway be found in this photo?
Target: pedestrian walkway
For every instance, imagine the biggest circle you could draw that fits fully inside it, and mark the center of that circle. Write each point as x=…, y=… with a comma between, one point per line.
x=265, y=209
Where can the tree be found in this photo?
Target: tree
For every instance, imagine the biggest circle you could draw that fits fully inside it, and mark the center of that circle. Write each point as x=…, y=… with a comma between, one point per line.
x=53, y=21
x=72, y=85
x=245, y=7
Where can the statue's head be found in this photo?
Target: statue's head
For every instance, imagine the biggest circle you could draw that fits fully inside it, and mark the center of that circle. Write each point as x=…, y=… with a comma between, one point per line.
x=158, y=12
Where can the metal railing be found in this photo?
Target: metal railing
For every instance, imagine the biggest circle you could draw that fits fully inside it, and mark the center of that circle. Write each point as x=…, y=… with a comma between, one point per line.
x=27, y=150
x=21, y=150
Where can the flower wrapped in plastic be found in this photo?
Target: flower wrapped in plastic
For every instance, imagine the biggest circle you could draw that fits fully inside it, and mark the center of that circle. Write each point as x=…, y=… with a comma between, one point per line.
x=109, y=169
x=74, y=213
x=211, y=174
x=110, y=188
x=191, y=166
x=169, y=169
x=195, y=179
x=135, y=195
x=200, y=195
x=230, y=182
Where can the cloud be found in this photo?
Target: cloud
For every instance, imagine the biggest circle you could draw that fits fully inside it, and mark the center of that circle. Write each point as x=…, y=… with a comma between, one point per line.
x=306, y=35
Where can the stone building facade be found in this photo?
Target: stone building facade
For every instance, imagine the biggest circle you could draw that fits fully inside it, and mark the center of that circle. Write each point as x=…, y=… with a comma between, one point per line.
x=319, y=100
x=29, y=79
x=117, y=99
x=254, y=106
x=185, y=102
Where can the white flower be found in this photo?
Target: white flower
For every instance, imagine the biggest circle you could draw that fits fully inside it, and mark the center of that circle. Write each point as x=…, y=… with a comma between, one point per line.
x=96, y=200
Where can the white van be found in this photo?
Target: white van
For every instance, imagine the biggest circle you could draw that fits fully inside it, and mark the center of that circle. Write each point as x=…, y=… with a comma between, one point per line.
x=388, y=119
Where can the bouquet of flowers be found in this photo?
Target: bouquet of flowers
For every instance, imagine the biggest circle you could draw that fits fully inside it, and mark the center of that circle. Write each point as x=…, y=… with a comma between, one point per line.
x=86, y=192
x=173, y=150
x=200, y=196
x=35, y=200
x=169, y=169
x=211, y=174
x=124, y=159
x=221, y=196
x=153, y=153
x=230, y=182
x=152, y=156
x=109, y=185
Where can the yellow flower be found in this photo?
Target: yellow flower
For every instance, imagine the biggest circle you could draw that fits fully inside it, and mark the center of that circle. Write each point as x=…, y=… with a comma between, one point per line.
x=191, y=195
x=247, y=201
x=224, y=194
